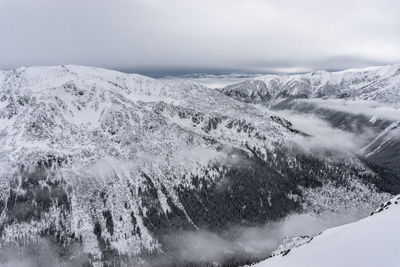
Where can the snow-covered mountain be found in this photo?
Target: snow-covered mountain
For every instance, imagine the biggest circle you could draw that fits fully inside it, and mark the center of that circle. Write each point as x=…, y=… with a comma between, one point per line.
x=381, y=84
x=370, y=242
x=385, y=148
x=210, y=80
x=356, y=100
x=114, y=163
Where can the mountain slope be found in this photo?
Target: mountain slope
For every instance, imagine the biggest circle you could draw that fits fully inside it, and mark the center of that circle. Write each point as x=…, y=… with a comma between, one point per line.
x=372, y=241
x=364, y=102
x=385, y=148
x=113, y=163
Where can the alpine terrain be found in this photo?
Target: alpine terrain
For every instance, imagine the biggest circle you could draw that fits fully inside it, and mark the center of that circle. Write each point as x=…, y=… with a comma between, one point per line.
x=104, y=168
x=368, y=242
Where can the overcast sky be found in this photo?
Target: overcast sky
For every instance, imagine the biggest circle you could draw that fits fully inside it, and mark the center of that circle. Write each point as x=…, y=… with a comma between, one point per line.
x=207, y=35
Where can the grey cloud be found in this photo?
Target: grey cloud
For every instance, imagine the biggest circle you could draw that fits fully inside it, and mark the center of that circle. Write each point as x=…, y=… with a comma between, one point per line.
x=253, y=35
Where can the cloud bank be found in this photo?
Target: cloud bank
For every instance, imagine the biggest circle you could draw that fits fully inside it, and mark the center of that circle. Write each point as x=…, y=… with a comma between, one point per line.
x=175, y=35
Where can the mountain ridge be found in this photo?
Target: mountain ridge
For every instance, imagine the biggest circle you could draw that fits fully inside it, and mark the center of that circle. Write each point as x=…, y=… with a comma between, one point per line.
x=379, y=83
x=114, y=162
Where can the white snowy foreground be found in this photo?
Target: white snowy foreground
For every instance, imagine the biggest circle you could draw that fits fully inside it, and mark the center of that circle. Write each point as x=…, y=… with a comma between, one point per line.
x=370, y=242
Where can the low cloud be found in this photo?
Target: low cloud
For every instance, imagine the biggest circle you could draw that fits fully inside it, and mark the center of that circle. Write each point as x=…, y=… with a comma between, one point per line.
x=358, y=107
x=255, y=242
x=42, y=253
x=320, y=136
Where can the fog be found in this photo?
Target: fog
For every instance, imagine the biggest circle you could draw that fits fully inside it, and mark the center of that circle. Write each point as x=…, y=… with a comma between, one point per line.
x=358, y=107
x=317, y=135
x=251, y=242
x=322, y=136
x=196, y=247
x=42, y=253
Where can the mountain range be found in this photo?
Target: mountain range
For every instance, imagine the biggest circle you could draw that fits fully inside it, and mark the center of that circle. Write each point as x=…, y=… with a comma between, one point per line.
x=110, y=169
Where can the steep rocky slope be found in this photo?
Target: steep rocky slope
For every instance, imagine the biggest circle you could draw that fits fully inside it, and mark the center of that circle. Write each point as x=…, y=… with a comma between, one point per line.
x=114, y=163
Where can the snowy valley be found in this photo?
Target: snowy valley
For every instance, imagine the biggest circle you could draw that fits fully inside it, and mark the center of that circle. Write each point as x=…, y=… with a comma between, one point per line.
x=115, y=169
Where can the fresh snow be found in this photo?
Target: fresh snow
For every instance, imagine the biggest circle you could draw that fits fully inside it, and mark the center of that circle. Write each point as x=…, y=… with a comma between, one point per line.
x=370, y=242
x=381, y=84
x=110, y=134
